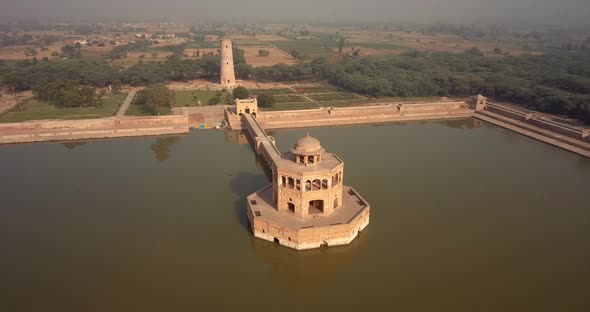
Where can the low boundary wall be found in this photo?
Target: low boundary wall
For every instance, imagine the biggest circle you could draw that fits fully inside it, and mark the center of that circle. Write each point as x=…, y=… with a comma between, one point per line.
x=354, y=115
x=112, y=127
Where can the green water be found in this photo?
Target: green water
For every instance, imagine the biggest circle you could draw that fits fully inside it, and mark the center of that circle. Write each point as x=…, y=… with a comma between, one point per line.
x=462, y=219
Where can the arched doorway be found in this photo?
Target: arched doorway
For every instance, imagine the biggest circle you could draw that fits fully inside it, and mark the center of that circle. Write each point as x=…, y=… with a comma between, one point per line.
x=291, y=207
x=316, y=207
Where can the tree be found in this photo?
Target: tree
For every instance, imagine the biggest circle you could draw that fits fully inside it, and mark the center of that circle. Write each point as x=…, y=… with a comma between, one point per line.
x=263, y=53
x=154, y=55
x=497, y=50
x=10, y=82
x=241, y=93
x=214, y=100
x=69, y=93
x=70, y=51
x=30, y=52
x=156, y=97
x=341, y=44
x=475, y=51
x=55, y=54
x=295, y=54
x=243, y=71
x=116, y=86
x=266, y=100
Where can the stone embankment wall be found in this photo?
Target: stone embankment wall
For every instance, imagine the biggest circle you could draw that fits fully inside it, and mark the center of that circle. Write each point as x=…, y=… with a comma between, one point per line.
x=355, y=115
x=113, y=127
x=531, y=118
x=572, y=138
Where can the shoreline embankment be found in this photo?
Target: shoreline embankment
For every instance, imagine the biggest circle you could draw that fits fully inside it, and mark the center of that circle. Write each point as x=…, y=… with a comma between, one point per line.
x=82, y=129
x=571, y=138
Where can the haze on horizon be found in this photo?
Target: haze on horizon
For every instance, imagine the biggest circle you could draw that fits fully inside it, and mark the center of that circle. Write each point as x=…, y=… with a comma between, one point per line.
x=568, y=12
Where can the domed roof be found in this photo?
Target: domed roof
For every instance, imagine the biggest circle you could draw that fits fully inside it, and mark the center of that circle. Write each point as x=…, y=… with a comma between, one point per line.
x=307, y=145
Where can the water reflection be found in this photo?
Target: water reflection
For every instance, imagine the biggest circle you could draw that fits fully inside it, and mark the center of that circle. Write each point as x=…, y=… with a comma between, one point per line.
x=309, y=269
x=162, y=147
x=236, y=137
x=72, y=145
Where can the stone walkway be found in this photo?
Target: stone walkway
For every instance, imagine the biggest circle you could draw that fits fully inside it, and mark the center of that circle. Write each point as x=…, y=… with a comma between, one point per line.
x=123, y=109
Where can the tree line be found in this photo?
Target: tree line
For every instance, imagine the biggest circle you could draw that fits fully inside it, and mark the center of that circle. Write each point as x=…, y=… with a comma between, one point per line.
x=67, y=93
x=557, y=82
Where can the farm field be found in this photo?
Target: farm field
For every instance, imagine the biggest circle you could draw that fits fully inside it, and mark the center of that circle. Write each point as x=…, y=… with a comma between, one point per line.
x=14, y=53
x=38, y=110
x=203, y=45
x=379, y=42
x=310, y=47
x=134, y=57
x=275, y=56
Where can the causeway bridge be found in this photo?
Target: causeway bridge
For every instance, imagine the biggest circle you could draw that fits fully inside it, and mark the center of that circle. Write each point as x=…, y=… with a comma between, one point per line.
x=263, y=143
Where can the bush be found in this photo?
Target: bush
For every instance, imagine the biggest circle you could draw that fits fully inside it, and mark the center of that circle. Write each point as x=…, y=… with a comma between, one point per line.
x=214, y=100
x=241, y=93
x=266, y=100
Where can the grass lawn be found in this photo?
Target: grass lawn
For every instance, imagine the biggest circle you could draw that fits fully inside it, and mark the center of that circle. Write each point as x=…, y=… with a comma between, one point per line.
x=256, y=92
x=312, y=90
x=291, y=106
x=139, y=110
x=307, y=46
x=38, y=110
x=289, y=98
x=333, y=96
x=191, y=97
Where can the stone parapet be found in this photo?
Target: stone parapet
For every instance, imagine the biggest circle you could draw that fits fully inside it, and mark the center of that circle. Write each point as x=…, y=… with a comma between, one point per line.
x=112, y=127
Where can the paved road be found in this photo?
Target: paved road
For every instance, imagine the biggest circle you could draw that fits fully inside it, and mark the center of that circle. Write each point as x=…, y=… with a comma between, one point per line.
x=123, y=110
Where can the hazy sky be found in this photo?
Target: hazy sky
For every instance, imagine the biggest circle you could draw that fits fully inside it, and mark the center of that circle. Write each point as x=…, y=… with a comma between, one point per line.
x=550, y=11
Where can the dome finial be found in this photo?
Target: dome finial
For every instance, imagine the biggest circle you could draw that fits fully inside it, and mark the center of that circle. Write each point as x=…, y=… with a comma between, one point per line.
x=307, y=145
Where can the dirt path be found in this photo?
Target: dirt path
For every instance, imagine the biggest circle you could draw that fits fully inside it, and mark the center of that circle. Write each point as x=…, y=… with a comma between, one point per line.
x=125, y=107
x=306, y=97
x=8, y=102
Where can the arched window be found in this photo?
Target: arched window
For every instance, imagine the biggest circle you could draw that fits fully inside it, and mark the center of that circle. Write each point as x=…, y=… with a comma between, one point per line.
x=298, y=185
x=324, y=184
x=308, y=185
x=310, y=159
x=284, y=181
x=316, y=185
x=291, y=183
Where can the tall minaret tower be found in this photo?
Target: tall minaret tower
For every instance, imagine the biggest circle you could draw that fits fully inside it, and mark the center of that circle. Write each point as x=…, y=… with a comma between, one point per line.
x=228, y=76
